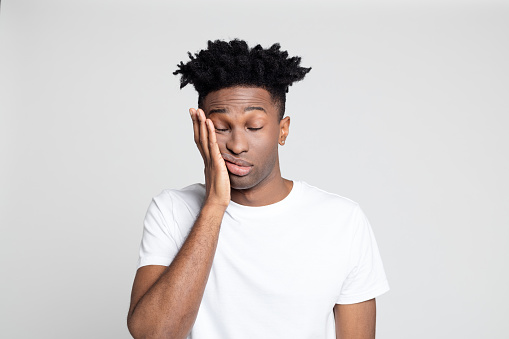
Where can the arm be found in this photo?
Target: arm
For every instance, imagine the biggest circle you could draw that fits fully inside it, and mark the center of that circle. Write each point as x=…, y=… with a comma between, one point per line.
x=165, y=300
x=356, y=321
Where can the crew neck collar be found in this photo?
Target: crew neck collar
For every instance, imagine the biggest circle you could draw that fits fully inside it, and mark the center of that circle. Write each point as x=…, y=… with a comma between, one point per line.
x=236, y=208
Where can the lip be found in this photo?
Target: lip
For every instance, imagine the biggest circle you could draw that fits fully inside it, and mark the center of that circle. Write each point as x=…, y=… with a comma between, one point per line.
x=236, y=161
x=236, y=166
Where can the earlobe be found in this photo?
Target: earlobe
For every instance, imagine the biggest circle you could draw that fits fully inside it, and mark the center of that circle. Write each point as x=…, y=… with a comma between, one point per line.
x=284, y=127
x=282, y=138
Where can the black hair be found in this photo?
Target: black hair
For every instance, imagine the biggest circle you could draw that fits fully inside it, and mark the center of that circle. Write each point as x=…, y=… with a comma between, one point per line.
x=228, y=64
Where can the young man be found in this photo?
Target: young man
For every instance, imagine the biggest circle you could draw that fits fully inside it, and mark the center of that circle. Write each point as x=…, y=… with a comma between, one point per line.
x=250, y=254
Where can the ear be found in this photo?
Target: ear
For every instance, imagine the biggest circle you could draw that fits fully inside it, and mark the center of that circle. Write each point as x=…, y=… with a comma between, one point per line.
x=284, y=129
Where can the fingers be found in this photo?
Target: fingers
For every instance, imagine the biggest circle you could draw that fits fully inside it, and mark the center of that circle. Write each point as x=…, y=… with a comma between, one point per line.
x=194, y=117
x=204, y=135
x=196, y=128
x=217, y=181
x=201, y=133
x=215, y=153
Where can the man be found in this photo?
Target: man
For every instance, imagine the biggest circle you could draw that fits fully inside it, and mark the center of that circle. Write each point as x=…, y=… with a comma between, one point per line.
x=251, y=254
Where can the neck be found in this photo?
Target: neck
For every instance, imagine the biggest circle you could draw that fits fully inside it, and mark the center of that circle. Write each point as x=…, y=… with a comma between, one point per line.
x=269, y=191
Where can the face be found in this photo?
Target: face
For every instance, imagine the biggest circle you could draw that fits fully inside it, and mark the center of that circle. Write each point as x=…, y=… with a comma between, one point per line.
x=247, y=129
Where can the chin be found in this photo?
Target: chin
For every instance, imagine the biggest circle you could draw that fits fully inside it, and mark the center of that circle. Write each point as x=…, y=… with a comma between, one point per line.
x=242, y=183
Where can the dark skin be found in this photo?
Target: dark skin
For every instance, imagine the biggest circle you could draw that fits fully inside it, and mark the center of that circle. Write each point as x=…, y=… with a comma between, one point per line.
x=234, y=124
x=248, y=128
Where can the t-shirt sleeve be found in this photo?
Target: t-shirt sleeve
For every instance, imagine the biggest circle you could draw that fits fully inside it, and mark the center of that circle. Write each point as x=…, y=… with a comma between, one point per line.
x=366, y=279
x=158, y=246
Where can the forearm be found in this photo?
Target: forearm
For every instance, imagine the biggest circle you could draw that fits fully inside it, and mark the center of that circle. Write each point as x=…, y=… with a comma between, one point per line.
x=170, y=306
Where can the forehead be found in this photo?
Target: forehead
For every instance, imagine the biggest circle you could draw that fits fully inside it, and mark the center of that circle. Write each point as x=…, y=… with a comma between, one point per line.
x=239, y=97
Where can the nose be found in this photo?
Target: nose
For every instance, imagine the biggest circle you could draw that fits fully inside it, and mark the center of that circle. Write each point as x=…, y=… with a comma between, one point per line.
x=237, y=143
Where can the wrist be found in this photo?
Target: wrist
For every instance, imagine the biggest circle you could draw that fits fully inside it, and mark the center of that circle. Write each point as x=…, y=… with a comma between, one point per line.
x=214, y=206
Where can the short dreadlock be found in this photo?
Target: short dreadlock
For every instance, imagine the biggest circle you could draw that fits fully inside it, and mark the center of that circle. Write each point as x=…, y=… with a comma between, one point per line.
x=228, y=64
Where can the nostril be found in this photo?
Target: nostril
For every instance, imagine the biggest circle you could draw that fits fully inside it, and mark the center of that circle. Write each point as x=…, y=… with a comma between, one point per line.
x=237, y=143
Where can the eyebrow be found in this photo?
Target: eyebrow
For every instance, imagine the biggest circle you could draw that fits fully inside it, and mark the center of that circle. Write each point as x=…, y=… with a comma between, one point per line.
x=217, y=110
x=254, y=108
x=247, y=109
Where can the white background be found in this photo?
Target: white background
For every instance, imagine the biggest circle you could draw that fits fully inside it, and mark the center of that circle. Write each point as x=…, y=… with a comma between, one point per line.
x=405, y=111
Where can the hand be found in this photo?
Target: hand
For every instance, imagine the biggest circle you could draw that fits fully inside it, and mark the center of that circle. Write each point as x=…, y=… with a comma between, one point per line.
x=217, y=182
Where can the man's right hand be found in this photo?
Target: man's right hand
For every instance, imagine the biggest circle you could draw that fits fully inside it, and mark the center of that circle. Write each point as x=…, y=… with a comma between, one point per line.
x=217, y=182
x=165, y=300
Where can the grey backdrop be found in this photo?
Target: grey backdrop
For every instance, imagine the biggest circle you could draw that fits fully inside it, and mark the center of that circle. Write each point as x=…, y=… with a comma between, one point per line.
x=405, y=111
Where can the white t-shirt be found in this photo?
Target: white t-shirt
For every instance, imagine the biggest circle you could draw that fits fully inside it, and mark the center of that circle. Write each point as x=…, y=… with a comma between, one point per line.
x=278, y=269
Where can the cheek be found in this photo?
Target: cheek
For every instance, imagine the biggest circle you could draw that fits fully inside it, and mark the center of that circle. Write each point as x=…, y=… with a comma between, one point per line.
x=221, y=141
x=264, y=145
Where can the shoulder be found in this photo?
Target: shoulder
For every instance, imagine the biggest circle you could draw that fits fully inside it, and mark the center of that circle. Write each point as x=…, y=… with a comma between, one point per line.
x=191, y=192
x=190, y=196
x=317, y=196
x=326, y=208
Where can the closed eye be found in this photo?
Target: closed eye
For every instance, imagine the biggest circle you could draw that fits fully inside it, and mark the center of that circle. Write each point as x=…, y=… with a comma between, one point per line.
x=254, y=129
x=221, y=129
